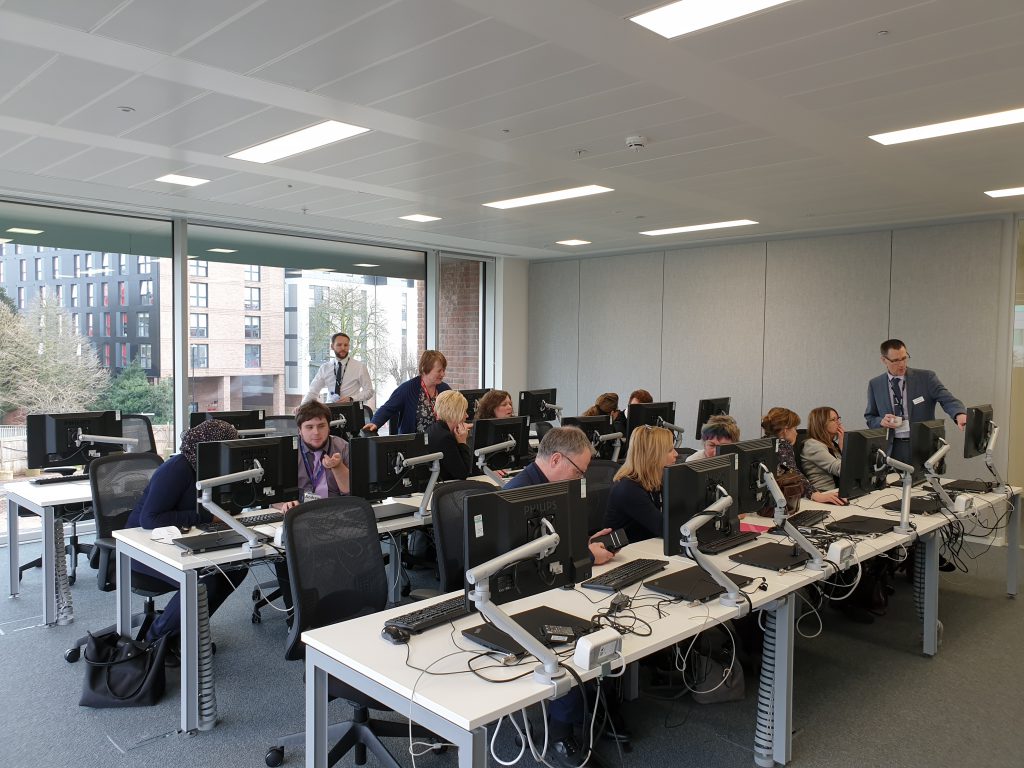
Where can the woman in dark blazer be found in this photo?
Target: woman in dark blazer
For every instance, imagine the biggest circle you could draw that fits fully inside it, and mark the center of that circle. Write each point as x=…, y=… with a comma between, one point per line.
x=413, y=403
x=449, y=435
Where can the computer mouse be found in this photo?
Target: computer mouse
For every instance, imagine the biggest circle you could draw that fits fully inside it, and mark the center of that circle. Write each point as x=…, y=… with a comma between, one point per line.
x=395, y=635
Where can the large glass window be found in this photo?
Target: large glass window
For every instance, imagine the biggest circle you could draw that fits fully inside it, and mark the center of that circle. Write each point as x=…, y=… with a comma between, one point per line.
x=143, y=323
x=252, y=356
x=198, y=268
x=198, y=324
x=201, y=358
x=145, y=265
x=198, y=295
x=252, y=299
x=252, y=272
x=253, y=327
x=145, y=292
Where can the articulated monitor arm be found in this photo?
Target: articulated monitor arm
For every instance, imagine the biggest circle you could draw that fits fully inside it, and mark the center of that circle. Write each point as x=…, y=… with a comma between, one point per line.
x=549, y=671
x=990, y=459
x=434, y=459
x=674, y=428
x=907, y=472
x=482, y=454
x=546, y=406
x=253, y=543
x=689, y=529
x=597, y=439
x=766, y=479
x=128, y=442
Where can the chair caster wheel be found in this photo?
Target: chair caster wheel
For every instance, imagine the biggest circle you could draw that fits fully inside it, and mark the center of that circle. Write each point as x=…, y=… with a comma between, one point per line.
x=256, y=618
x=255, y=595
x=275, y=756
x=71, y=655
x=71, y=581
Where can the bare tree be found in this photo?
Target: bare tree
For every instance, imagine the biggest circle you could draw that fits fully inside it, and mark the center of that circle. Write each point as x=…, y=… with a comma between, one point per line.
x=354, y=310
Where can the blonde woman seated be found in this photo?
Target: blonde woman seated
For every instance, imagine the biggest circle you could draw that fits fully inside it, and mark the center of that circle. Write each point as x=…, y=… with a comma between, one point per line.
x=782, y=423
x=634, y=502
x=449, y=435
x=720, y=429
x=496, y=404
x=822, y=455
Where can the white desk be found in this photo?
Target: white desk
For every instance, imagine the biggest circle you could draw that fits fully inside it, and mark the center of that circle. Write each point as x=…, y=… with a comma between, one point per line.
x=47, y=501
x=169, y=560
x=458, y=708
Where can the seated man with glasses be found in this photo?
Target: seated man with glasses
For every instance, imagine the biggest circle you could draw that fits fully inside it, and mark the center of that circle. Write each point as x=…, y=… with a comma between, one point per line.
x=903, y=395
x=720, y=429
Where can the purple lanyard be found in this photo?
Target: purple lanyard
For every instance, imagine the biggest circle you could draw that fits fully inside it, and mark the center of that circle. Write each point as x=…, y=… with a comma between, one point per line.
x=314, y=477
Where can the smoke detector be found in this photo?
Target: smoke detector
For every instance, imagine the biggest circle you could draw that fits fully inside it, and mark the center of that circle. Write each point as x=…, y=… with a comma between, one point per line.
x=636, y=143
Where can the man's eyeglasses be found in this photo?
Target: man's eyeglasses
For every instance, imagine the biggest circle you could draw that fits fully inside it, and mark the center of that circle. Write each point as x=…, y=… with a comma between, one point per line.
x=899, y=360
x=579, y=472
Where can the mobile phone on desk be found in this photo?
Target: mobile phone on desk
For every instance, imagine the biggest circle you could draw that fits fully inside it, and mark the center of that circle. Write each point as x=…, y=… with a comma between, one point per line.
x=613, y=541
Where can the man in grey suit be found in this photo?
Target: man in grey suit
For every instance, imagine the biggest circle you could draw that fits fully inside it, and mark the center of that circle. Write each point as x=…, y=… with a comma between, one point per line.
x=903, y=395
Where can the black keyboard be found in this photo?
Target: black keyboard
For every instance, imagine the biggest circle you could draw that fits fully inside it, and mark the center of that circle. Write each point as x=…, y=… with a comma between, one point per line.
x=808, y=518
x=625, y=575
x=249, y=521
x=50, y=479
x=431, y=615
x=724, y=544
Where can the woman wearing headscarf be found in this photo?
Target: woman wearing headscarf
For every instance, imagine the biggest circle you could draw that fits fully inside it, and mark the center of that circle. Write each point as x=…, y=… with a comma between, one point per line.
x=170, y=499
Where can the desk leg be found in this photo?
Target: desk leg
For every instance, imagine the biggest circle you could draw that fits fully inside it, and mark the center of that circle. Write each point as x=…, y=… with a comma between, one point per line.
x=773, y=740
x=124, y=592
x=189, y=597
x=394, y=570
x=1012, y=545
x=930, y=589
x=14, y=558
x=49, y=565
x=316, y=712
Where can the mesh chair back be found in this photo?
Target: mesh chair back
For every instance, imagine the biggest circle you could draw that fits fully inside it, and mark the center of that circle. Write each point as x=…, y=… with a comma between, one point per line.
x=335, y=564
x=446, y=509
x=599, y=485
x=284, y=424
x=141, y=428
x=117, y=481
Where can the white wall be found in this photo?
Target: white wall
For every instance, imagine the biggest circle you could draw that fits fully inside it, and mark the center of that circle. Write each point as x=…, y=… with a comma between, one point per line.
x=510, y=330
x=791, y=322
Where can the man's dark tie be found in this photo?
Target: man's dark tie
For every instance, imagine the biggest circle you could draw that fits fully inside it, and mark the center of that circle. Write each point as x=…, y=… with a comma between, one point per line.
x=339, y=374
x=897, y=397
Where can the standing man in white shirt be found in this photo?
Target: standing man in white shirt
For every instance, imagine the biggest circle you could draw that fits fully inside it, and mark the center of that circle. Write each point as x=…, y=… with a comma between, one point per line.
x=344, y=378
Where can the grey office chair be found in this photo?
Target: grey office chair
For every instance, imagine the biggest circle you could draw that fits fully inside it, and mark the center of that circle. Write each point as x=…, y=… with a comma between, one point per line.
x=141, y=428
x=446, y=511
x=117, y=481
x=599, y=484
x=336, y=573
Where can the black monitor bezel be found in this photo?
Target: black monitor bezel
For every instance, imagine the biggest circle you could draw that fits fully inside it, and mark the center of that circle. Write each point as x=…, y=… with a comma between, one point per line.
x=709, y=407
x=977, y=430
x=218, y=457
x=679, y=503
x=641, y=414
x=366, y=451
x=857, y=446
x=530, y=400
x=47, y=433
x=353, y=426
x=520, y=431
x=751, y=454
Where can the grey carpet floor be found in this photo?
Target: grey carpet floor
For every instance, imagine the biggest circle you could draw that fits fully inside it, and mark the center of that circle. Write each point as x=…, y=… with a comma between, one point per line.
x=863, y=695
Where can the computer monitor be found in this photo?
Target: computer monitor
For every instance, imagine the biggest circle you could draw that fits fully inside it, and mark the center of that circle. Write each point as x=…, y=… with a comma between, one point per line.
x=688, y=489
x=278, y=456
x=751, y=455
x=496, y=523
x=536, y=403
x=863, y=469
x=375, y=466
x=653, y=414
x=712, y=406
x=354, y=416
x=51, y=438
x=487, y=432
x=977, y=431
x=472, y=398
x=592, y=426
x=925, y=437
x=238, y=419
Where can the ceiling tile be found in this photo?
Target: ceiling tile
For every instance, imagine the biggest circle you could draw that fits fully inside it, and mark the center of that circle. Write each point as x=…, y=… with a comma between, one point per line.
x=91, y=163
x=17, y=62
x=78, y=14
x=207, y=113
x=148, y=96
x=162, y=26
x=61, y=88
x=37, y=154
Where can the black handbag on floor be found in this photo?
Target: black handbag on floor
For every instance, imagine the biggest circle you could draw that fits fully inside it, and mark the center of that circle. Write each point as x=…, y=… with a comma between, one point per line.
x=123, y=672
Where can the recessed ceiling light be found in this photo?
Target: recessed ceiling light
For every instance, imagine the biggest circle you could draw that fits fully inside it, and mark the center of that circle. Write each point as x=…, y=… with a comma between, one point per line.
x=366, y=265
x=420, y=217
x=965, y=125
x=573, y=242
x=685, y=16
x=549, y=197
x=699, y=227
x=185, y=181
x=20, y=231
x=1006, y=192
x=314, y=136
x=222, y=250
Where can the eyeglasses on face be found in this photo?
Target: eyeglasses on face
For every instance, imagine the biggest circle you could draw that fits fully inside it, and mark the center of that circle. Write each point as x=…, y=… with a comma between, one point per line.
x=897, y=360
x=579, y=472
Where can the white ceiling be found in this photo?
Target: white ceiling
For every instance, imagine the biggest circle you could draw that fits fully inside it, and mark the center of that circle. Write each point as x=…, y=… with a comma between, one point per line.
x=470, y=101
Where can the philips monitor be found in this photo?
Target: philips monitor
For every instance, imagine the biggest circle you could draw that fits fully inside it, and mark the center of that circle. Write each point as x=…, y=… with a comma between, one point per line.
x=277, y=456
x=977, y=431
x=472, y=398
x=864, y=468
x=713, y=406
x=652, y=414
x=238, y=419
x=537, y=404
x=353, y=416
x=496, y=523
x=751, y=455
x=925, y=437
x=52, y=438
x=488, y=432
x=375, y=466
x=688, y=489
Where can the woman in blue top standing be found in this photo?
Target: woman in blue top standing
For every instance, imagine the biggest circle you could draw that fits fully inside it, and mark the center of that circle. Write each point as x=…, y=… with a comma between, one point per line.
x=412, y=404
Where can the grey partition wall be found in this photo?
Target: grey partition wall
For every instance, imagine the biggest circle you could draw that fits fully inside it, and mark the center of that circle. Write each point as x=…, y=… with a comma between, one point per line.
x=826, y=313
x=714, y=332
x=554, y=330
x=620, y=326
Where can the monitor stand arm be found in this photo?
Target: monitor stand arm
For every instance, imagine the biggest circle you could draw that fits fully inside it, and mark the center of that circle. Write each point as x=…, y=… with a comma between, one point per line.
x=616, y=436
x=129, y=443
x=907, y=472
x=990, y=459
x=678, y=437
x=434, y=459
x=548, y=672
x=933, y=476
x=482, y=454
x=689, y=543
x=546, y=406
x=767, y=480
x=253, y=543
